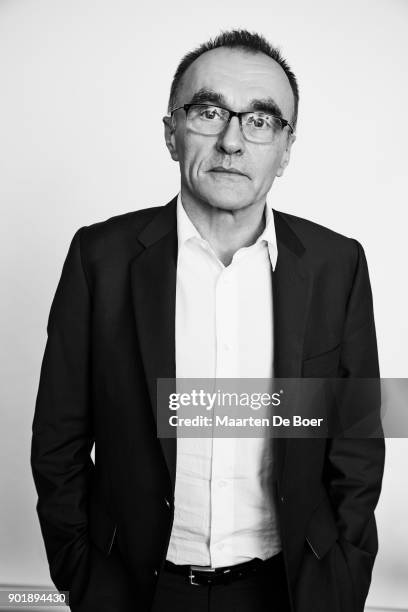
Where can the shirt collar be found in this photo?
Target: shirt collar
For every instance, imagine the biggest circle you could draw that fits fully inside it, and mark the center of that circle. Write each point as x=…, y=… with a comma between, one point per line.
x=186, y=230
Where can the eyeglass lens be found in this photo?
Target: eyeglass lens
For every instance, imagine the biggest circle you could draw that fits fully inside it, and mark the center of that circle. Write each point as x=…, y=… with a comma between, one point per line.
x=211, y=120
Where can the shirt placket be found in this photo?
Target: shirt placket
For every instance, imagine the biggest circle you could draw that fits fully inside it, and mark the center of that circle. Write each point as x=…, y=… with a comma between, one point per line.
x=223, y=449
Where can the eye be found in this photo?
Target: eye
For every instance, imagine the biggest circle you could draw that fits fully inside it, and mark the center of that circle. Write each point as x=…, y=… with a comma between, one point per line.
x=210, y=113
x=260, y=121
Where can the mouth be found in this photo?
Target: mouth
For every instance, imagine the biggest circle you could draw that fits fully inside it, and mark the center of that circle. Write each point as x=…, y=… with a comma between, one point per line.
x=230, y=171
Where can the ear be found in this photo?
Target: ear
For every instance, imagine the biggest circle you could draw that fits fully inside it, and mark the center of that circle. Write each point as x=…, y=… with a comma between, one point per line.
x=286, y=154
x=169, y=135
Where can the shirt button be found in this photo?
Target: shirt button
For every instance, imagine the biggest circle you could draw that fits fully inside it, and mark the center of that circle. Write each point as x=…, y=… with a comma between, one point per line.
x=220, y=546
x=222, y=483
x=226, y=347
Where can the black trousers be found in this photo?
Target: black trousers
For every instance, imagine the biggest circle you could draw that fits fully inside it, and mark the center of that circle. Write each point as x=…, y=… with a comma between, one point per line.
x=110, y=588
x=261, y=592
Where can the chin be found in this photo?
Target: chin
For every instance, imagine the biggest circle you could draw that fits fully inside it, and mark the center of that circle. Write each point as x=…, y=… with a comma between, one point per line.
x=228, y=199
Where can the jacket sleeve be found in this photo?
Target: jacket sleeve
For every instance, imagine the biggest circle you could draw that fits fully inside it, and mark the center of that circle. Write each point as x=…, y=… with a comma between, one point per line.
x=62, y=436
x=355, y=465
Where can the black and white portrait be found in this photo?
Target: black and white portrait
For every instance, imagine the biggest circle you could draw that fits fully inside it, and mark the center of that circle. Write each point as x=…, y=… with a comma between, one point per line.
x=202, y=192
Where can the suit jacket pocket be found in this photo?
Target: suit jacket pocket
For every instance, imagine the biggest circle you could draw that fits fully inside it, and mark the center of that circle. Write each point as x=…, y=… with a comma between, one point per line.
x=317, y=586
x=102, y=527
x=324, y=582
x=323, y=364
x=321, y=531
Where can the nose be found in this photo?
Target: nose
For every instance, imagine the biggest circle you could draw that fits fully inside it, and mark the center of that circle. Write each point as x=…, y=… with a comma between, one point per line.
x=230, y=140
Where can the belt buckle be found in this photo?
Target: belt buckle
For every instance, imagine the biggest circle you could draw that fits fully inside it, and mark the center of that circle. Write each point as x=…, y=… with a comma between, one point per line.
x=191, y=578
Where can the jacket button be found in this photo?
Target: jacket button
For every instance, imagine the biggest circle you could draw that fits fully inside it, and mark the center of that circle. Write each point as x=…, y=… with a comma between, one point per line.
x=155, y=572
x=282, y=499
x=167, y=502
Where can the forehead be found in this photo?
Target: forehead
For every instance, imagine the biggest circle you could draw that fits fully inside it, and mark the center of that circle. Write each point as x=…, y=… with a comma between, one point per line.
x=240, y=77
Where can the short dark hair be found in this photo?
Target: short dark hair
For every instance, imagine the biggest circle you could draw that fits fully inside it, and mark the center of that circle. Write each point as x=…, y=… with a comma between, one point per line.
x=250, y=42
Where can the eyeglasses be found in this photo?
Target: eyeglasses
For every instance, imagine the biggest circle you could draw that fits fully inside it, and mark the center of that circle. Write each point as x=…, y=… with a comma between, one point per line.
x=256, y=126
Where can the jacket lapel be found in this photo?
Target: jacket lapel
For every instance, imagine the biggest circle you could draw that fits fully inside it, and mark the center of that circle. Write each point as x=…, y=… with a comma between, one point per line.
x=292, y=288
x=153, y=287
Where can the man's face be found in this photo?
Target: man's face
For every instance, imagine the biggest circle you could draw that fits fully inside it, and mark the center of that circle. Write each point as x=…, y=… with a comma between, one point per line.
x=237, y=78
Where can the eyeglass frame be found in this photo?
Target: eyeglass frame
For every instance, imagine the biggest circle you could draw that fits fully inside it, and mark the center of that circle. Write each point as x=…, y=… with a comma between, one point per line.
x=232, y=113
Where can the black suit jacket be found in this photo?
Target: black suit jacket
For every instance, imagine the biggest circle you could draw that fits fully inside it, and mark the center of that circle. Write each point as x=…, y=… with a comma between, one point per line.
x=111, y=334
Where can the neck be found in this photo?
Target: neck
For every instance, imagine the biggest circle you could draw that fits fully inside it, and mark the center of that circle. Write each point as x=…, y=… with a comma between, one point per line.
x=226, y=230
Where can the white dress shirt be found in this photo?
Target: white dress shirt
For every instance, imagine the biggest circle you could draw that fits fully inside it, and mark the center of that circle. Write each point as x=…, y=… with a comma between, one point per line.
x=225, y=507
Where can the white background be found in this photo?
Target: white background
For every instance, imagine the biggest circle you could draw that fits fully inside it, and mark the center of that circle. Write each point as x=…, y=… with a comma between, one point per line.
x=83, y=87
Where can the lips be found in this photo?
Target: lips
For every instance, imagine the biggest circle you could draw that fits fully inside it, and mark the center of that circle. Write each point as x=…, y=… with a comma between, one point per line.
x=223, y=170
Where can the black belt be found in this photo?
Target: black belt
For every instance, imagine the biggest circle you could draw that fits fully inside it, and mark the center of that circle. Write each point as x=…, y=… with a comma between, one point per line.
x=222, y=575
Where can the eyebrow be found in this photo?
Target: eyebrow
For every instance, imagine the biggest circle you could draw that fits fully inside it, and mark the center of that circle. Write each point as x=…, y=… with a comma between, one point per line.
x=266, y=105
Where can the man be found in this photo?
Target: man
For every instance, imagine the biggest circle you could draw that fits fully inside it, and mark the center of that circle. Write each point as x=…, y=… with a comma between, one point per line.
x=214, y=284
